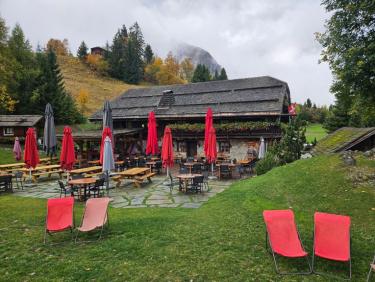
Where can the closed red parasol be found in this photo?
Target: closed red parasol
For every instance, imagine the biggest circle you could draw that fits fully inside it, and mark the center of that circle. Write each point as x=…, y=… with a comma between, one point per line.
x=106, y=132
x=67, y=156
x=31, y=156
x=152, y=136
x=211, y=153
x=167, y=148
x=208, y=126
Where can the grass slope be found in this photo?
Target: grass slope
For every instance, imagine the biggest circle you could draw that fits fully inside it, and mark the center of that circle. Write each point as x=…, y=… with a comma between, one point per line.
x=315, y=130
x=222, y=241
x=78, y=76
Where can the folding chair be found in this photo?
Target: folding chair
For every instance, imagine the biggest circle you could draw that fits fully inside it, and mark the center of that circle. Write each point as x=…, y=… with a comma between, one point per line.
x=332, y=239
x=59, y=216
x=372, y=269
x=95, y=216
x=283, y=238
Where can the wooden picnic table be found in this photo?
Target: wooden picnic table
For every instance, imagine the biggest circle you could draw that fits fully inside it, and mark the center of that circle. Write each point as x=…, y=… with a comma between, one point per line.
x=11, y=166
x=185, y=179
x=41, y=168
x=138, y=174
x=97, y=162
x=91, y=169
x=38, y=171
x=82, y=183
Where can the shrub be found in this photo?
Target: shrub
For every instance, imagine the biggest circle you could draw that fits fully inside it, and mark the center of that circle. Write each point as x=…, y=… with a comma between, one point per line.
x=270, y=161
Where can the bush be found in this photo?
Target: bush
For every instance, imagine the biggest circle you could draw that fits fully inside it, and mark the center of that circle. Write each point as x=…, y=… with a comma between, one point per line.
x=270, y=161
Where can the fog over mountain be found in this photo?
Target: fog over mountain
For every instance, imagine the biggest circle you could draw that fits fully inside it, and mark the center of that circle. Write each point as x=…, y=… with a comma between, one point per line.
x=198, y=56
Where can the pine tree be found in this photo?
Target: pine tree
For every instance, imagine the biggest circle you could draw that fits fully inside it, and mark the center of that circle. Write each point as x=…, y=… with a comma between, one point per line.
x=134, y=65
x=82, y=51
x=223, y=74
x=201, y=74
x=149, y=55
x=24, y=69
x=117, y=52
x=308, y=103
x=216, y=75
x=51, y=90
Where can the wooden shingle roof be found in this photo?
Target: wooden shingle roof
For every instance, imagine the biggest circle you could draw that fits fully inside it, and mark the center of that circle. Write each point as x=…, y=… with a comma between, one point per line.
x=257, y=96
x=19, y=120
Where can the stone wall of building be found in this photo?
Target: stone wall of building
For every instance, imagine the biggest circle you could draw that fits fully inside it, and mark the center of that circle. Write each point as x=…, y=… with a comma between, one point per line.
x=238, y=149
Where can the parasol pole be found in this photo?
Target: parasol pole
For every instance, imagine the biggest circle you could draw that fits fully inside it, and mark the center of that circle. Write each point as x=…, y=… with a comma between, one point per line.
x=107, y=182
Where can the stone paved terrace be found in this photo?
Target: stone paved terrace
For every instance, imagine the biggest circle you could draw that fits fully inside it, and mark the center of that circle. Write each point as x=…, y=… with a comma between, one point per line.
x=155, y=194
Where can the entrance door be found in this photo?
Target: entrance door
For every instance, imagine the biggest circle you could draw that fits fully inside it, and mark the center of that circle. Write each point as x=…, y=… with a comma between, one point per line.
x=191, y=148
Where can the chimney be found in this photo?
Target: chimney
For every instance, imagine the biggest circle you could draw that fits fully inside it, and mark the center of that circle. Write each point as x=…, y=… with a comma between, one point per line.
x=167, y=100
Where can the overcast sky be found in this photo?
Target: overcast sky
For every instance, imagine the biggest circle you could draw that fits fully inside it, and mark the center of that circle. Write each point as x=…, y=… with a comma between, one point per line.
x=249, y=38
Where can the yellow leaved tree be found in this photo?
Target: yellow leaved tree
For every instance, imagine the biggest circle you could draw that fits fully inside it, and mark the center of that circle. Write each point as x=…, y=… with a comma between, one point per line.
x=82, y=99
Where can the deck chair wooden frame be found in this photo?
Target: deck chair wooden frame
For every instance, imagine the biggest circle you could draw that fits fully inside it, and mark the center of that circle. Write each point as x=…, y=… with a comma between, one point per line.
x=50, y=232
x=275, y=255
x=314, y=260
x=372, y=269
x=101, y=227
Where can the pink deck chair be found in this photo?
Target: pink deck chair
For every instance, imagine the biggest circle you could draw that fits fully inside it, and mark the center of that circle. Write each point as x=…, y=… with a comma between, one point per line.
x=95, y=215
x=332, y=238
x=283, y=237
x=59, y=216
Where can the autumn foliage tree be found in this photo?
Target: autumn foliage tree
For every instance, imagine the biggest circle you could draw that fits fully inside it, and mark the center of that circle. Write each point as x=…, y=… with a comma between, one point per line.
x=59, y=47
x=186, y=69
x=82, y=100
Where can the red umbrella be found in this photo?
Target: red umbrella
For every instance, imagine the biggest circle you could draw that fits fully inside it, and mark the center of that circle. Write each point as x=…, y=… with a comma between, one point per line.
x=152, y=136
x=67, y=156
x=167, y=149
x=212, y=152
x=31, y=155
x=209, y=124
x=106, y=132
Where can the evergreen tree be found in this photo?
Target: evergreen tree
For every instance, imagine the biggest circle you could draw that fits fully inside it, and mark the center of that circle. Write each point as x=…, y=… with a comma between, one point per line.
x=216, y=75
x=51, y=89
x=223, y=74
x=24, y=70
x=117, y=52
x=149, y=55
x=201, y=74
x=82, y=51
x=308, y=103
x=134, y=65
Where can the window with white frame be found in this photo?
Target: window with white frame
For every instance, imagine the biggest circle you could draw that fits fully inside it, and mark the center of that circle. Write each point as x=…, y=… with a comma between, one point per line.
x=8, y=131
x=224, y=146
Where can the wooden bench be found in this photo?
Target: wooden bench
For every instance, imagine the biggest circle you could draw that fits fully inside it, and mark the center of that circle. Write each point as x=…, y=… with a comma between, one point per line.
x=139, y=179
x=93, y=174
x=35, y=176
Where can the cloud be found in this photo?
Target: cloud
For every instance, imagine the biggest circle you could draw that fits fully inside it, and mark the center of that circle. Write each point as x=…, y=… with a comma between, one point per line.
x=248, y=38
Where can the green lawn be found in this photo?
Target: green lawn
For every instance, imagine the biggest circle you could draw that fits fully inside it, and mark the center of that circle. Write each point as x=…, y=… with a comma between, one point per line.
x=222, y=241
x=315, y=130
x=6, y=154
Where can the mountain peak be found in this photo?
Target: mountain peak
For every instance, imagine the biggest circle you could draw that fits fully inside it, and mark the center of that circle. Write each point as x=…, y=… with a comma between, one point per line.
x=198, y=56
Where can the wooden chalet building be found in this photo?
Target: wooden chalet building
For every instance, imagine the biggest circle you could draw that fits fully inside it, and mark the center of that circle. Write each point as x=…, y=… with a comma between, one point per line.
x=244, y=111
x=98, y=51
x=16, y=125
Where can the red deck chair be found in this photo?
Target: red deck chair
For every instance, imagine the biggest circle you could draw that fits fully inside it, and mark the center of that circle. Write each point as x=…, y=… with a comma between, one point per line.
x=95, y=216
x=59, y=215
x=283, y=237
x=332, y=238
